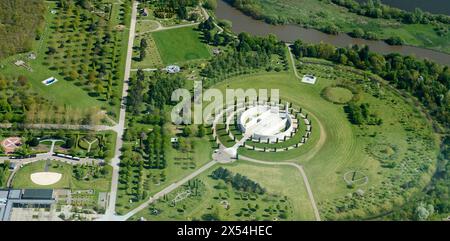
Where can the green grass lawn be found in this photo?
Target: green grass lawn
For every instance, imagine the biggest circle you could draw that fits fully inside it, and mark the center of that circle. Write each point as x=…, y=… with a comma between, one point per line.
x=180, y=45
x=343, y=147
x=177, y=167
x=68, y=92
x=145, y=26
x=152, y=58
x=338, y=94
x=274, y=179
x=22, y=178
x=400, y=151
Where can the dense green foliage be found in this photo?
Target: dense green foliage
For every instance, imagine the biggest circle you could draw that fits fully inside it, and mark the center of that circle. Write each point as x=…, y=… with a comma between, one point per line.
x=20, y=24
x=426, y=80
x=239, y=182
x=3, y=173
x=435, y=198
x=167, y=8
x=247, y=53
x=360, y=114
x=160, y=91
x=15, y=95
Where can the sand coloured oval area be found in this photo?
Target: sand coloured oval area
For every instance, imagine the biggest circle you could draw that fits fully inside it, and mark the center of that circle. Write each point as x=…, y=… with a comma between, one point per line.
x=45, y=178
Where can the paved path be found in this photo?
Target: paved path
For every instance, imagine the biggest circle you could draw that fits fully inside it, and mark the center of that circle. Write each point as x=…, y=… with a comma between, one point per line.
x=167, y=190
x=61, y=126
x=53, y=141
x=293, y=61
x=206, y=14
x=303, y=174
x=145, y=70
x=115, y=161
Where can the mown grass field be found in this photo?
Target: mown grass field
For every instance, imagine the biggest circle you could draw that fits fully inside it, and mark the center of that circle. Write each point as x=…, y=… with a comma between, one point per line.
x=341, y=146
x=180, y=45
x=22, y=178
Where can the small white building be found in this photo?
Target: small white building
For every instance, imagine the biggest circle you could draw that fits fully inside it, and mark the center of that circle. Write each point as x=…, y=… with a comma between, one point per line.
x=309, y=79
x=173, y=69
x=32, y=56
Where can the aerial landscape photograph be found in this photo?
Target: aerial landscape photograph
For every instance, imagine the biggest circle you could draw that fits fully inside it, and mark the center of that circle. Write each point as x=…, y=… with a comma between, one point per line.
x=224, y=110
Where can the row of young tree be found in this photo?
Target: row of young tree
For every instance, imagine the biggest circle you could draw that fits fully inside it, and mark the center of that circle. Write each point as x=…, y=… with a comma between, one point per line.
x=433, y=203
x=155, y=145
x=238, y=181
x=21, y=23
x=424, y=79
x=4, y=171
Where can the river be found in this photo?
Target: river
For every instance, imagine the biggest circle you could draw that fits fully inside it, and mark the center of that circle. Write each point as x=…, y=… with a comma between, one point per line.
x=290, y=33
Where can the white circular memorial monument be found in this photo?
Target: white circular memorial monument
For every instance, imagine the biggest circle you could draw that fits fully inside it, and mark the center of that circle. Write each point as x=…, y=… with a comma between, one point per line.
x=266, y=123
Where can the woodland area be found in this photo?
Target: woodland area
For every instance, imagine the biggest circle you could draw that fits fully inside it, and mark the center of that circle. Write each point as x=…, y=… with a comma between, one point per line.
x=21, y=22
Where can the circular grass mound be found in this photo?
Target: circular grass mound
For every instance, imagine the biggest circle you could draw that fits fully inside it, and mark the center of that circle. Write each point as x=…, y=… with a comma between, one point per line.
x=337, y=94
x=383, y=151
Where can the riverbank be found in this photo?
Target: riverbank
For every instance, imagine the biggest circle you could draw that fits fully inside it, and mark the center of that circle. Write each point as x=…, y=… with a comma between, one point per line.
x=291, y=32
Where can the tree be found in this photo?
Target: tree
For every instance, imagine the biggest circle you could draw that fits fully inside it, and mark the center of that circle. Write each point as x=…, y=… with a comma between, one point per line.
x=201, y=131
x=33, y=142
x=74, y=75
x=187, y=131
x=142, y=55
x=143, y=44
x=423, y=211
x=210, y=4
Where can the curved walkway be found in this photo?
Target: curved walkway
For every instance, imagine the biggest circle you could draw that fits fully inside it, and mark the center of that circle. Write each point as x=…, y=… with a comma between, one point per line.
x=302, y=172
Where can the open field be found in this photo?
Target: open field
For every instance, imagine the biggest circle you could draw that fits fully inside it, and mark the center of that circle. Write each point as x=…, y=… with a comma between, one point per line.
x=180, y=45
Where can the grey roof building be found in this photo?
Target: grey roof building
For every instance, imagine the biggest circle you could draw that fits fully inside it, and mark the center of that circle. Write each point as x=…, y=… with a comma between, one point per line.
x=27, y=198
